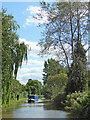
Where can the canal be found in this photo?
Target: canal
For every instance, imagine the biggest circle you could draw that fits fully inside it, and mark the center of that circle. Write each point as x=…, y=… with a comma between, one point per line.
x=40, y=109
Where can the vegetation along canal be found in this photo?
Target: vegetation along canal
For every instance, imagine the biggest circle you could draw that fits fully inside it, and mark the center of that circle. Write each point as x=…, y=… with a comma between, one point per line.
x=40, y=109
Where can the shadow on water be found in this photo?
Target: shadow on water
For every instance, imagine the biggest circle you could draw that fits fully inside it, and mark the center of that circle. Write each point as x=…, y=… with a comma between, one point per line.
x=40, y=109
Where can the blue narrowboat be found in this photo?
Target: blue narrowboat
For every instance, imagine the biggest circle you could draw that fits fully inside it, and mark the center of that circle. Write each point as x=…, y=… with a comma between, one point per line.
x=32, y=98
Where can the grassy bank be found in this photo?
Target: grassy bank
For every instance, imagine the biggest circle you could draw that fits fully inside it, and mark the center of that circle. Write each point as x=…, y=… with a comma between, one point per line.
x=18, y=101
x=14, y=102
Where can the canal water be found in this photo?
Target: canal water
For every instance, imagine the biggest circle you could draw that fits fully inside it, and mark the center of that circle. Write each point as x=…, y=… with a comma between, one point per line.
x=40, y=109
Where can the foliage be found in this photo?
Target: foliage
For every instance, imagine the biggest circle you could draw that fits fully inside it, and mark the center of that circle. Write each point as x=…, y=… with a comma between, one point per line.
x=88, y=77
x=65, y=30
x=52, y=67
x=58, y=100
x=46, y=93
x=13, y=54
x=67, y=22
x=78, y=74
x=54, y=77
x=18, y=89
x=79, y=104
x=34, y=87
x=56, y=84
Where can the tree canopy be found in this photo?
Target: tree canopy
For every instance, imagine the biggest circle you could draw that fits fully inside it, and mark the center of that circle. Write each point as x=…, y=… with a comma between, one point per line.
x=66, y=31
x=34, y=87
x=52, y=67
x=67, y=22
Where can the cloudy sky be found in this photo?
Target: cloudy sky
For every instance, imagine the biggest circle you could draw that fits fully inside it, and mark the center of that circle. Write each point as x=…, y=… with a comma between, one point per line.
x=30, y=34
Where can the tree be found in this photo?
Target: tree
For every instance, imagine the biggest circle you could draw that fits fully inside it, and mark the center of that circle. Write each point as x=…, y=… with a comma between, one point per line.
x=34, y=86
x=78, y=75
x=56, y=83
x=13, y=54
x=52, y=67
x=66, y=25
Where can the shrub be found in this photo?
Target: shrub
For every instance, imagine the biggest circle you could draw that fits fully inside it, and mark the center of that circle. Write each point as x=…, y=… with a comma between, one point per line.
x=78, y=103
x=59, y=99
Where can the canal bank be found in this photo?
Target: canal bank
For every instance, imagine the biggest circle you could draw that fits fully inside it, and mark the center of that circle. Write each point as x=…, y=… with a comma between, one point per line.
x=13, y=102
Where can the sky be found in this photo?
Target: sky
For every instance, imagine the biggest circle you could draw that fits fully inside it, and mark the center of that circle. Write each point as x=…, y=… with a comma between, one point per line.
x=30, y=34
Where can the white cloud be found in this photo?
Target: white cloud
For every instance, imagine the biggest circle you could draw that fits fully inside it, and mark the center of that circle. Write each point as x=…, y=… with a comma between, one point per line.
x=32, y=73
x=30, y=70
x=34, y=67
x=35, y=63
x=33, y=48
x=34, y=10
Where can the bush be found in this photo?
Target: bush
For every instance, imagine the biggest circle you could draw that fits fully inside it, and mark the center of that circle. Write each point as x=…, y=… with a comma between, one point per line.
x=79, y=103
x=56, y=84
x=59, y=99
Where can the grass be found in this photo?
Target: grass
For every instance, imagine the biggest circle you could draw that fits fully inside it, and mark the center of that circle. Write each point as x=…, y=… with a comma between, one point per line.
x=14, y=102
x=18, y=101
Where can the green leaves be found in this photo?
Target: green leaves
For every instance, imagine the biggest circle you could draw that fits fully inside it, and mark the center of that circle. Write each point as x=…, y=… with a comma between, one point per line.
x=13, y=54
x=34, y=86
x=56, y=83
x=78, y=103
x=51, y=67
x=78, y=74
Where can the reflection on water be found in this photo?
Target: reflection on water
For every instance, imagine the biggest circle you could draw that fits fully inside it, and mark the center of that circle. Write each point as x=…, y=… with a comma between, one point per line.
x=41, y=109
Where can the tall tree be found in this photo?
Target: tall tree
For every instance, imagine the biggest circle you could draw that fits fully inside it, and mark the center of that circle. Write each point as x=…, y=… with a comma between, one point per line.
x=66, y=25
x=78, y=74
x=51, y=67
x=13, y=54
x=66, y=22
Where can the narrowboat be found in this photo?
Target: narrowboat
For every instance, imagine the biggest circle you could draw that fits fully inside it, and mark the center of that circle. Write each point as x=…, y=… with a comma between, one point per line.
x=32, y=98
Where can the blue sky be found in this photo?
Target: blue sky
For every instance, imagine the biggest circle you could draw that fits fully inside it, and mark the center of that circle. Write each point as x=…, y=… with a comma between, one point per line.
x=30, y=34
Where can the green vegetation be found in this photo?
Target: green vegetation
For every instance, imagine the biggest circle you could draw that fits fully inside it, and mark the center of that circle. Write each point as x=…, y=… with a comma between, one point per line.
x=12, y=102
x=66, y=31
x=52, y=67
x=34, y=87
x=79, y=104
x=78, y=74
x=13, y=54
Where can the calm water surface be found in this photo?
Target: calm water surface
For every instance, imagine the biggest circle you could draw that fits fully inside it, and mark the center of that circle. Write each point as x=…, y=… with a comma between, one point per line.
x=41, y=109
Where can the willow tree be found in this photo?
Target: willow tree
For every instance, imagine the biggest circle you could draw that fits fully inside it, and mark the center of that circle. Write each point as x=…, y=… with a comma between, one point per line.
x=65, y=23
x=13, y=54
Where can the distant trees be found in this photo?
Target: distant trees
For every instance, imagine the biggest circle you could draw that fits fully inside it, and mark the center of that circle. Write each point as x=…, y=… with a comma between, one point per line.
x=34, y=87
x=18, y=89
x=13, y=54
